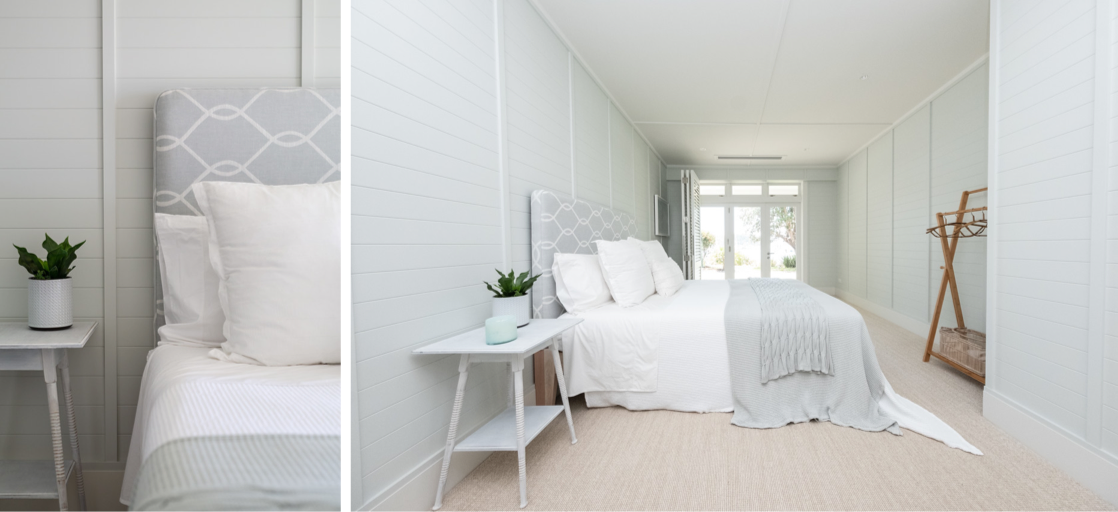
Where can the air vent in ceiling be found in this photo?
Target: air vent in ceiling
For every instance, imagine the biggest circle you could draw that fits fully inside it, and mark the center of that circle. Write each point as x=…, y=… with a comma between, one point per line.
x=720, y=157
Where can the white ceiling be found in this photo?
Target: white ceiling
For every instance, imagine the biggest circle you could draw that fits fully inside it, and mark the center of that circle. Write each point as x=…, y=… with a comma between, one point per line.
x=770, y=77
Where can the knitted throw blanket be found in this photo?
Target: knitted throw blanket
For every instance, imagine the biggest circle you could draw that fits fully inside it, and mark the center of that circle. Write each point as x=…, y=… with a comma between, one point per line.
x=793, y=330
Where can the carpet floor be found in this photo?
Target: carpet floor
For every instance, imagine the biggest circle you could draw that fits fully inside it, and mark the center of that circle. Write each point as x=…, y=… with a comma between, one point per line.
x=665, y=460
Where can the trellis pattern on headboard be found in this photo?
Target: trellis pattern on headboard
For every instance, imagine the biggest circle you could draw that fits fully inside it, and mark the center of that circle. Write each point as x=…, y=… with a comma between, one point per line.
x=270, y=136
x=561, y=224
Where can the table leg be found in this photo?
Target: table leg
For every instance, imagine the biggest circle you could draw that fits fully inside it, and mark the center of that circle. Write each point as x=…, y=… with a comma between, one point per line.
x=563, y=388
x=50, y=375
x=463, y=370
x=71, y=418
x=518, y=387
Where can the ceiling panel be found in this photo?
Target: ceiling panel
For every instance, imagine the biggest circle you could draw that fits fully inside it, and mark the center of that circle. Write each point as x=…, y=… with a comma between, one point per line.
x=671, y=60
x=703, y=73
x=907, y=50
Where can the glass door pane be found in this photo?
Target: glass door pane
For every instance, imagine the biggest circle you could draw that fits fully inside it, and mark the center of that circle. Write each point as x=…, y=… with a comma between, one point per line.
x=712, y=221
x=747, y=242
x=782, y=241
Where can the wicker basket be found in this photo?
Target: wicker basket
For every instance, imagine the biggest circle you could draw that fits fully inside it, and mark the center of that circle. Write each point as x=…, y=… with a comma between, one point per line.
x=964, y=346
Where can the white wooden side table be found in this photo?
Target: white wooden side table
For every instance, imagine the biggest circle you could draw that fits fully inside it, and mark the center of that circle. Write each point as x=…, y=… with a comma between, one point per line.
x=22, y=348
x=513, y=429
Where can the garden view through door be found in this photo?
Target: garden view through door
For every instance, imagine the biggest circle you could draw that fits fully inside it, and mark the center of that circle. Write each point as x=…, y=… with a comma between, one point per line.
x=740, y=242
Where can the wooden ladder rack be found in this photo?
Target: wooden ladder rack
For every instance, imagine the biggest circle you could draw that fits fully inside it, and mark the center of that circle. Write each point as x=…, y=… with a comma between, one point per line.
x=961, y=228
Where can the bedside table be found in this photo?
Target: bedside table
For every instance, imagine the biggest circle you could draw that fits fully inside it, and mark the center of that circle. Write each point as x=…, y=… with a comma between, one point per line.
x=513, y=429
x=22, y=348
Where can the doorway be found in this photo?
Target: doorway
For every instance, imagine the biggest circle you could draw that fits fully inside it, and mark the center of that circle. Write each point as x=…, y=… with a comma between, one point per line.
x=743, y=239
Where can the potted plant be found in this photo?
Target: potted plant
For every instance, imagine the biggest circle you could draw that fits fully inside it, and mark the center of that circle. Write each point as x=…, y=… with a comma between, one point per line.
x=510, y=296
x=50, y=292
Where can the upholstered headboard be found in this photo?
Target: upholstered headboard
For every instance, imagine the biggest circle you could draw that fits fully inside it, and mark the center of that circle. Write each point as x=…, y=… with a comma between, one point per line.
x=561, y=224
x=268, y=136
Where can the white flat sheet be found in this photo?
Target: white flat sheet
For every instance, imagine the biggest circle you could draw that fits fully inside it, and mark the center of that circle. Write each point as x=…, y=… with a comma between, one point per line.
x=186, y=393
x=692, y=369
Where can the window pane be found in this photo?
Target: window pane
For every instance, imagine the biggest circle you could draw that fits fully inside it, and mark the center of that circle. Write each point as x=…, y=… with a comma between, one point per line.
x=747, y=190
x=784, y=190
x=712, y=190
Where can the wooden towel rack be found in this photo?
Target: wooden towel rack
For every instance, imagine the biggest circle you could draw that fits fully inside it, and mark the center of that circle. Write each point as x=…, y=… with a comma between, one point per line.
x=967, y=223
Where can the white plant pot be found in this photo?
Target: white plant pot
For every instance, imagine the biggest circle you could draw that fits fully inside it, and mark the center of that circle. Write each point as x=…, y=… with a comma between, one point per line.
x=50, y=303
x=519, y=307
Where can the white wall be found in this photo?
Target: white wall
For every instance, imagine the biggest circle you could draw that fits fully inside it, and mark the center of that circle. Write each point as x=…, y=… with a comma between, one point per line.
x=77, y=152
x=1053, y=362
x=456, y=122
x=889, y=194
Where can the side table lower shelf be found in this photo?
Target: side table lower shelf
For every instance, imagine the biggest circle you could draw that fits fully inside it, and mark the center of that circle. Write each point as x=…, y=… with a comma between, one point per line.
x=30, y=479
x=499, y=435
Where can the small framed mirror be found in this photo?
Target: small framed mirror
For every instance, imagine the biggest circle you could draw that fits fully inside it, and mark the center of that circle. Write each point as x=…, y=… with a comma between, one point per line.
x=662, y=222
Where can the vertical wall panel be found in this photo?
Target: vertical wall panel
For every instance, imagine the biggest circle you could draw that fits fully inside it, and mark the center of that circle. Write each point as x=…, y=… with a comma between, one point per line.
x=620, y=161
x=911, y=245
x=591, y=129
x=50, y=182
x=538, y=118
x=959, y=161
x=642, y=192
x=879, y=222
x=843, y=230
x=1109, y=437
x=857, y=219
x=822, y=233
x=1044, y=168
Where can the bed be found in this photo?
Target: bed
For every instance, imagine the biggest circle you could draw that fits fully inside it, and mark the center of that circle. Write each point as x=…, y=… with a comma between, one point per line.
x=700, y=349
x=211, y=434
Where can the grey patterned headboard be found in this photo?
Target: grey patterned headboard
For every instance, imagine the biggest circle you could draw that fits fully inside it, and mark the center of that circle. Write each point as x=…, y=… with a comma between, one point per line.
x=269, y=136
x=561, y=224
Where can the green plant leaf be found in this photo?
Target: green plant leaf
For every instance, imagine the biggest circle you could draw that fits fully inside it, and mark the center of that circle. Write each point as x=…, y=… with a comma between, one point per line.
x=49, y=244
x=29, y=261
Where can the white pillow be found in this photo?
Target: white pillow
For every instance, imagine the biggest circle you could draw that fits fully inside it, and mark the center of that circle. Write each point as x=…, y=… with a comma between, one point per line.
x=277, y=253
x=652, y=249
x=668, y=276
x=579, y=283
x=190, y=300
x=665, y=271
x=626, y=271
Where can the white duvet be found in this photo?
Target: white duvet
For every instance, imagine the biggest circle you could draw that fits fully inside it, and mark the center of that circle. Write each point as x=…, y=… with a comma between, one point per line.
x=670, y=353
x=185, y=393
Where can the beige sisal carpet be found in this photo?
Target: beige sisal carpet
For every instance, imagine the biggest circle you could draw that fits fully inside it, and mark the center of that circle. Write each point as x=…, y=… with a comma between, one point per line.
x=663, y=460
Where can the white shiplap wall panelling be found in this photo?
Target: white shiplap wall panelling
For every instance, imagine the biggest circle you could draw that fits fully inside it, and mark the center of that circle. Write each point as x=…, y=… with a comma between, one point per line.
x=858, y=205
x=1109, y=424
x=50, y=139
x=538, y=109
x=911, y=207
x=879, y=221
x=822, y=229
x=1045, y=163
x=591, y=134
x=621, y=162
x=843, y=230
x=426, y=163
x=958, y=163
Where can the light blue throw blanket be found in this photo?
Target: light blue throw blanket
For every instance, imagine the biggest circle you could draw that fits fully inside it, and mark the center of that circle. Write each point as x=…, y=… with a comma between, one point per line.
x=250, y=472
x=793, y=330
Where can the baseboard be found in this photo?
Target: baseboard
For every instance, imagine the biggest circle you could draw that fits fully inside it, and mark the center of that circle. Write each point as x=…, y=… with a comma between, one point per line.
x=909, y=323
x=416, y=490
x=1085, y=464
x=102, y=492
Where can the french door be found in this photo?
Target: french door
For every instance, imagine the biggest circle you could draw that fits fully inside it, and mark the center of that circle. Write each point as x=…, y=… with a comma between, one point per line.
x=740, y=241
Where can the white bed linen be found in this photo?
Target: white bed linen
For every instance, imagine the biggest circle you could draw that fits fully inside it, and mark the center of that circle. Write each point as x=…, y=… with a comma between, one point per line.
x=691, y=372
x=692, y=368
x=185, y=393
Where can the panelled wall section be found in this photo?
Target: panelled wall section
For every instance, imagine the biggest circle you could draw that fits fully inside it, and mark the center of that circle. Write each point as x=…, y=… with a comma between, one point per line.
x=460, y=111
x=888, y=196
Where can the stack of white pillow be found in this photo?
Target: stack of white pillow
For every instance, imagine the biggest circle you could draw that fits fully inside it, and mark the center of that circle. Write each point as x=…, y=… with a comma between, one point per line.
x=625, y=271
